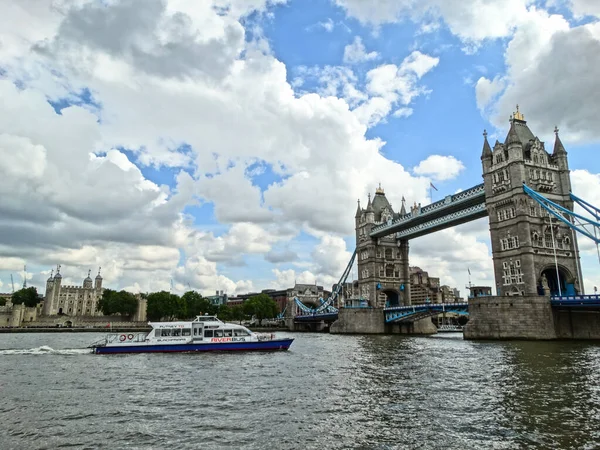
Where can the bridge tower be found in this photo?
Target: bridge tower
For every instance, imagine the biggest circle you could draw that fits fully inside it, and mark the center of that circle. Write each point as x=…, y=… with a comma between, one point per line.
x=383, y=273
x=532, y=252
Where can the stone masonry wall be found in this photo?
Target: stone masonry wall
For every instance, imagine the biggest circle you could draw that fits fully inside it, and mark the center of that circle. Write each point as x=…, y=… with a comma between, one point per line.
x=359, y=321
x=528, y=317
x=577, y=324
x=371, y=321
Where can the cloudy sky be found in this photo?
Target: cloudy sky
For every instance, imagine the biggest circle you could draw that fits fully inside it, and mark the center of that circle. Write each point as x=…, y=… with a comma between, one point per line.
x=223, y=144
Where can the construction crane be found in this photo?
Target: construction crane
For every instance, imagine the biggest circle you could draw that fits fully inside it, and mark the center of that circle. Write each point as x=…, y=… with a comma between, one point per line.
x=13, y=283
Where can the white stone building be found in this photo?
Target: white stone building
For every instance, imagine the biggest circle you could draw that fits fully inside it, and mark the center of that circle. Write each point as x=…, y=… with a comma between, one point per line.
x=72, y=300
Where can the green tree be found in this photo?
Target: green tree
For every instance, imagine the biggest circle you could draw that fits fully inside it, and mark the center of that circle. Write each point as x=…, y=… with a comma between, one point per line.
x=261, y=306
x=164, y=305
x=237, y=313
x=122, y=302
x=196, y=305
x=28, y=296
x=224, y=313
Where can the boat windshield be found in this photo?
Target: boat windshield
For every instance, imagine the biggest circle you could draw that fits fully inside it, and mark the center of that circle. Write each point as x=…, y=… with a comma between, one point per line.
x=206, y=319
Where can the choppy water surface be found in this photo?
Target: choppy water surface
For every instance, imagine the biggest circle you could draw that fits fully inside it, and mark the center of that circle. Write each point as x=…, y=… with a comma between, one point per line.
x=380, y=392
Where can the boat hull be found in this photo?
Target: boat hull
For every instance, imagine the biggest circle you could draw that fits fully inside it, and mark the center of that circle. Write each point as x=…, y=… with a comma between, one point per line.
x=272, y=345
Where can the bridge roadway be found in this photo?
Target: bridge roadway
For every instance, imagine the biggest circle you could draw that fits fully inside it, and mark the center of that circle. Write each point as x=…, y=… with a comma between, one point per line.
x=451, y=211
x=416, y=312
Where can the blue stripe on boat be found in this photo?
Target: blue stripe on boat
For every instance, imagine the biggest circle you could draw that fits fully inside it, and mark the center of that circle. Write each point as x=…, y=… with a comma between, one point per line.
x=279, y=344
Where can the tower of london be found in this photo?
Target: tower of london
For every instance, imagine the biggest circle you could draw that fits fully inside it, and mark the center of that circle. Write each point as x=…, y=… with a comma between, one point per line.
x=72, y=300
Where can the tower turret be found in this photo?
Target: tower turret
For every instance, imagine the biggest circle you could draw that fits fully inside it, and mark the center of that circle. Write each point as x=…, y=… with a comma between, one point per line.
x=403, y=208
x=49, y=285
x=486, y=153
x=87, y=282
x=370, y=211
x=98, y=281
x=513, y=143
x=559, y=155
x=57, y=277
x=53, y=286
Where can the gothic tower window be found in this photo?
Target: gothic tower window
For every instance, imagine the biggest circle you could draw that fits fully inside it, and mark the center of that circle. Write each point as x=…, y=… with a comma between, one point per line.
x=389, y=270
x=512, y=273
x=388, y=253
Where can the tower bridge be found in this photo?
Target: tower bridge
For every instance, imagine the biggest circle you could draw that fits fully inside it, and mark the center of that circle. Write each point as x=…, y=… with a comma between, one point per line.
x=526, y=195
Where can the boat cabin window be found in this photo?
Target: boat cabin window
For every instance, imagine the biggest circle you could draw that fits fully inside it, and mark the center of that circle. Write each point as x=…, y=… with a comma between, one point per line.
x=208, y=333
x=176, y=332
x=227, y=333
x=240, y=333
x=218, y=333
x=186, y=332
x=164, y=332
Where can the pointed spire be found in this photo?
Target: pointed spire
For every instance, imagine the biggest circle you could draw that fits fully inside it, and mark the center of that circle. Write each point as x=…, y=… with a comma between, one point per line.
x=98, y=276
x=487, y=150
x=369, y=205
x=358, y=210
x=403, y=208
x=559, y=148
x=513, y=137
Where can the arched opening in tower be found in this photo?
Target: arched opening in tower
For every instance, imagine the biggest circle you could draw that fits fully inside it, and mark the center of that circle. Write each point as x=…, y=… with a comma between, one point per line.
x=554, y=281
x=392, y=298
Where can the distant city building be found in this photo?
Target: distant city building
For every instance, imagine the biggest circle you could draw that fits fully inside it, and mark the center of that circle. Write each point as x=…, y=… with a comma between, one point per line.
x=424, y=288
x=220, y=298
x=72, y=300
x=449, y=295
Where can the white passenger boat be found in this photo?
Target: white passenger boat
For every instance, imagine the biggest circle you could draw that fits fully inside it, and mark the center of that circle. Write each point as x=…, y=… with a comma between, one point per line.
x=204, y=333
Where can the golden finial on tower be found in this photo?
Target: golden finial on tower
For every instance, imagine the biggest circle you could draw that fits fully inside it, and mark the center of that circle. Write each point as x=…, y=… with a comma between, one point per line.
x=518, y=115
x=379, y=190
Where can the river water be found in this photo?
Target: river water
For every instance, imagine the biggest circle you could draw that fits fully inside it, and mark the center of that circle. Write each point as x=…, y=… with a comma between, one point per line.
x=326, y=392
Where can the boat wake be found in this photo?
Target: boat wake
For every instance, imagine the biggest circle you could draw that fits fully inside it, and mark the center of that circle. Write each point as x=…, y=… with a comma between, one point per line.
x=45, y=350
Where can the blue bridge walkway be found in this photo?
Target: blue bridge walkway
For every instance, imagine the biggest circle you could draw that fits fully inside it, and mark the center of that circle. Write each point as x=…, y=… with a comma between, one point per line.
x=416, y=312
